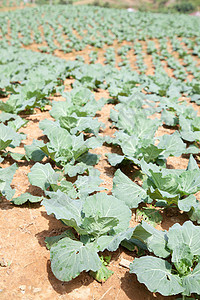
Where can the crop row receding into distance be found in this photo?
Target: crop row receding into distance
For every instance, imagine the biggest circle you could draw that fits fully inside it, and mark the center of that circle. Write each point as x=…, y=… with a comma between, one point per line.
x=106, y=167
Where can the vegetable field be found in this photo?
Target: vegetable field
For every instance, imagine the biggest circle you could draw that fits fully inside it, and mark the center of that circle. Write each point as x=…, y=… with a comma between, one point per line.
x=99, y=154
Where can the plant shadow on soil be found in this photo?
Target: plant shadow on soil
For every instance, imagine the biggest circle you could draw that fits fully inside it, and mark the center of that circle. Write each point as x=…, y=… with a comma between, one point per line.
x=62, y=287
x=56, y=227
x=8, y=205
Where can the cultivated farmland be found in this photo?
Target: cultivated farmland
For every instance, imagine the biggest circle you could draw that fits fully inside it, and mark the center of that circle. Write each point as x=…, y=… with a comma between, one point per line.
x=99, y=154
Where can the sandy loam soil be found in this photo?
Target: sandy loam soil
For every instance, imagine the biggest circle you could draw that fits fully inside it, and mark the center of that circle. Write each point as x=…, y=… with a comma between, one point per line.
x=11, y=8
x=25, y=271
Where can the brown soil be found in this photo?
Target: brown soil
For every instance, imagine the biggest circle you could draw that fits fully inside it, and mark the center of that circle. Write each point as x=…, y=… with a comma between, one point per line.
x=24, y=260
x=27, y=273
x=11, y=8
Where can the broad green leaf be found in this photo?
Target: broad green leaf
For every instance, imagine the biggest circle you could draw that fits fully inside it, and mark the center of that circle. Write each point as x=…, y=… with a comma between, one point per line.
x=168, y=183
x=190, y=182
x=111, y=243
x=64, y=147
x=94, y=142
x=102, y=274
x=79, y=168
x=51, y=240
x=192, y=164
x=88, y=159
x=4, y=144
x=76, y=124
x=192, y=149
x=17, y=156
x=146, y=168
x=172, y=144
x=169, y=117
x=42, y=175
x=23, y=198
x=69, y=258
x=97, y=226
x=191, y=282
x=59, y=138
x=149, y=215
x=185, y=204
x=182, y=258
x=68, y=122
x=95, y=223
x=48, y=152
x=66, y=187
x=155, y=240
x=188, y=131
x=151, y=152
x=47, y=125
x=79, y=146
x=8, y=134
x=136, y=124
x=60, y=108
x=88, y=184
x=190, y=136
x=194, y=213
x=157, y=194
x=7, y=116
x=196, y=124
x=34, y=152
x=127, y=191
x=132, y=243
x=17, y=123
x=6, y=177
x=186, y=234
x=80, y=96
x=130, y=147
x=103, y=205
x=65, y=209
x=115, y=159
x=156, y=274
